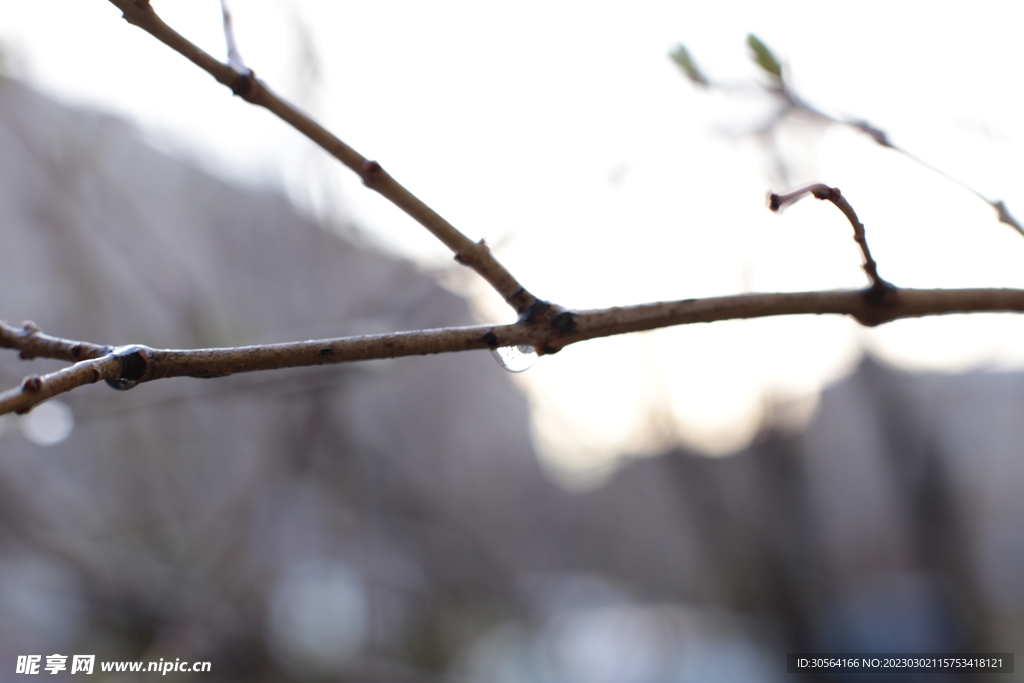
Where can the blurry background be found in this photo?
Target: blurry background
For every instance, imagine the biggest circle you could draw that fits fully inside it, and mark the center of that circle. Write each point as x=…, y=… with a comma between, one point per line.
x=423, y=518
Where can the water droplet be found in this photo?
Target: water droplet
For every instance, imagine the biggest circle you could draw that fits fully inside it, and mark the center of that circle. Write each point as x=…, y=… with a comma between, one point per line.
x=122, y=384
x=516, y=358
x=133, y=367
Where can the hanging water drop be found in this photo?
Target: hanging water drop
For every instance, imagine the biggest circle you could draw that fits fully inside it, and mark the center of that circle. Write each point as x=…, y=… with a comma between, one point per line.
x=133, y=367
x=516, y=358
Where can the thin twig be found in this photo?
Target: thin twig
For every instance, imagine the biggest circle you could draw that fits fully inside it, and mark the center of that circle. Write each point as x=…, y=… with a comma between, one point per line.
x=124, y=367
x=33, y=343
x=234, y=56
x=243, y=83
x=880, y=289
x=881, y=138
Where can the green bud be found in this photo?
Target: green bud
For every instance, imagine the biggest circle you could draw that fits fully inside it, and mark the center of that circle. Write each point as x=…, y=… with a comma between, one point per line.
x=681, y=56
x=763, y=56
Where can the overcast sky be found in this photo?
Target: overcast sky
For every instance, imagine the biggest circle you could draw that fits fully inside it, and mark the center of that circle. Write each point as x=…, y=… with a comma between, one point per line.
x=563, y=134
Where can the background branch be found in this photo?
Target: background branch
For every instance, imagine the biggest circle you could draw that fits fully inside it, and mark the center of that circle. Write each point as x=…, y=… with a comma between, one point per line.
x=780, y=88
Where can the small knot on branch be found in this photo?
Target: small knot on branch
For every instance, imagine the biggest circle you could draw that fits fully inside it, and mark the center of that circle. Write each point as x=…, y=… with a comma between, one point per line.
x=32, y=383
x=882, y=293
x=465, y=259
x=372, y=172
x=552, y=321
x=821, y=191
x=877, y=135
x=244, y=85
x=564, y=322
x=130, y=15
x=1005, y=217
x=28, y=328
x=546, y=327
x=535, y=312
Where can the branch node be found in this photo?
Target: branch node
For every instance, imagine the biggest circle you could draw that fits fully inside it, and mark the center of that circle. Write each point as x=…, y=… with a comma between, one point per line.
x=140, y=6
x=32, y=383
x=534, y=312
x=876, y=134
x=372, y=172
x=1005, y=216
x=882, y=294
x=490, y=339
x=821, y=191
x=564, y=322
x=244, y=85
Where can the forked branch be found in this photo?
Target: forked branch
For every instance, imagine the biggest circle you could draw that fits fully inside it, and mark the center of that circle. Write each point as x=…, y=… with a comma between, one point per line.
x=544, y=326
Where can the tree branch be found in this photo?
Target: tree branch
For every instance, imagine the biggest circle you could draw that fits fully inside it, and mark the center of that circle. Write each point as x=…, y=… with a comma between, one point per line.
x=880, y=289
x=126, y=366
x=546, y=327
x=476, y=255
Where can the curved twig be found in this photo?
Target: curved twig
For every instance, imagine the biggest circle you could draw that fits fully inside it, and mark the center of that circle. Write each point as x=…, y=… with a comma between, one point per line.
x=882, y=290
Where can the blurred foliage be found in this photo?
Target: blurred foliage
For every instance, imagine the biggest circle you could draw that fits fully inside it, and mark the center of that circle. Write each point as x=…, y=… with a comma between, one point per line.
x=681, y=56
x=764, y=57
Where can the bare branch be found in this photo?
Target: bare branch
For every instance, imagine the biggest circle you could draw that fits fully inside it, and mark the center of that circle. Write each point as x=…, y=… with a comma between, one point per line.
x=35, y=389
x=880, y=288
x=126, y=366
x=545, y=327
x=33, y=343
x=476, y=255
x=880, y=137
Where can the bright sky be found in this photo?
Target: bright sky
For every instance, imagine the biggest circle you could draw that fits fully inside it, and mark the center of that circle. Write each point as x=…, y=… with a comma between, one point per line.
x=563, y=134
